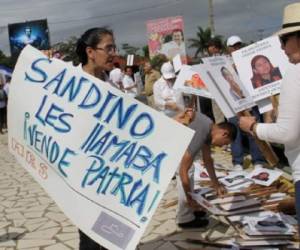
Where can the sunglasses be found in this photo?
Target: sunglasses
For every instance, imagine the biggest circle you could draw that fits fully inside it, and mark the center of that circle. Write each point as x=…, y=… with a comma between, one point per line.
x=285, y=38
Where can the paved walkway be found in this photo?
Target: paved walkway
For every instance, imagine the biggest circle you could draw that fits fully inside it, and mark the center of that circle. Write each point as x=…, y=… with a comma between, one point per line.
x=31, y=220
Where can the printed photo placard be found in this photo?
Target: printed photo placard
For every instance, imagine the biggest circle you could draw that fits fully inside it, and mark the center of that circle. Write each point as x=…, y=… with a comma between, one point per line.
x=264, y=176
x=261, y=67
x=189, y=81
x=227, y=82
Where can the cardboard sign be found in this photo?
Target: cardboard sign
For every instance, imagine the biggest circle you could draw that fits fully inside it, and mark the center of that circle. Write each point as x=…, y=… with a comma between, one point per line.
x=189, y=81
x=165, y=36
x=105, y=158
x=261, y=67
x=227, y=83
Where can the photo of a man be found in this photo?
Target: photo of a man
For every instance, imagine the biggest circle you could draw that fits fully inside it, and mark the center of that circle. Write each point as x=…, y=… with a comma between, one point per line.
x=35, y=33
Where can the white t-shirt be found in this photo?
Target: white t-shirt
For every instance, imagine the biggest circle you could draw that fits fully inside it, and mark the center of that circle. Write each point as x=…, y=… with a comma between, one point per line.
x=115, y=77
x=162, y=93
x=128, y=82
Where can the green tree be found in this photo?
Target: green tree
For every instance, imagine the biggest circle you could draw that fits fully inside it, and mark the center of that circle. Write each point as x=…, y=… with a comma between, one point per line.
x=7, y=61
x=145, y=50
x=129, y=50
x=68, y=49
x=200, y=43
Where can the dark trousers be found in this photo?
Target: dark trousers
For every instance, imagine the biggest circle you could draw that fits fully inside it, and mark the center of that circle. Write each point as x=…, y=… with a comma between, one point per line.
x=86, y=243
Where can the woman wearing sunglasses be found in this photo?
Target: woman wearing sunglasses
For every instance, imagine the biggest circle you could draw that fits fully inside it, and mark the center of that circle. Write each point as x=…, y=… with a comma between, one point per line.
x=286, y=130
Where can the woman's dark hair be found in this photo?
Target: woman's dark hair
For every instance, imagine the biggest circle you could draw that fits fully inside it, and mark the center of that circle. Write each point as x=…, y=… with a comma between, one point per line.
x=231, y=129
x=257, y=80
x=90, y=38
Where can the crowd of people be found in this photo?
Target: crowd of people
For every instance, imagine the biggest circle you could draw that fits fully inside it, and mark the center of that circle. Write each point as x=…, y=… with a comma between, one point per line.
x=96, y=50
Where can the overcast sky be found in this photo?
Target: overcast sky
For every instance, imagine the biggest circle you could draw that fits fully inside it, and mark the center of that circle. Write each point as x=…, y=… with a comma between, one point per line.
x=249, y=19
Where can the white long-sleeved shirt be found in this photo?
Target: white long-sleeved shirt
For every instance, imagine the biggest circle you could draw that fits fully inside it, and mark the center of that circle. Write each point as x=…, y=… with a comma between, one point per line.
x=286, y=130
x=163, y=93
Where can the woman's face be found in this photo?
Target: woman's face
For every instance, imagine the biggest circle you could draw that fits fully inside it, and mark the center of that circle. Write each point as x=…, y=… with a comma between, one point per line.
x=103, y=54
x=262, y=66
x=292, y=49
x=228, y=76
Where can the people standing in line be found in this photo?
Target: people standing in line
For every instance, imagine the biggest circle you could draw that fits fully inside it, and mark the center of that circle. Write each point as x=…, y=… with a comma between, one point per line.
x=166, y=98
x=286, y=129
x=238, y=149
x=129, y=86
x=96, y=49
x=151, y=76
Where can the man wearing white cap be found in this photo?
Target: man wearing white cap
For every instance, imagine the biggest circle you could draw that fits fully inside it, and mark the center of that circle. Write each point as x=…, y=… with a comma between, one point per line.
x=167, y=99
x=286, y=130
x=233, y=43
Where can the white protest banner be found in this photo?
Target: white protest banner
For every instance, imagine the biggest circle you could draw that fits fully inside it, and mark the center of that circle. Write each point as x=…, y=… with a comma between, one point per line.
x=261, y=66
x=222, y=73
x=190, y=82
x=105, y=158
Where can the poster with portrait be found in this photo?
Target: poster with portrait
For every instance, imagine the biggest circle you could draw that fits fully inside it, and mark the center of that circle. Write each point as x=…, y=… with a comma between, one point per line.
x=215, y=92
x=35, y=33
x=92, y=147
x=165, y=36
x=261, y=67
x=189, y=81
x=234, y=178
x=225, y=79
x=264, y=176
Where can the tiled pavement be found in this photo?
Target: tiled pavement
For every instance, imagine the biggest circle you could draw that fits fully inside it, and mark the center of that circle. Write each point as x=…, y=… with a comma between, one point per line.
x=31, y=220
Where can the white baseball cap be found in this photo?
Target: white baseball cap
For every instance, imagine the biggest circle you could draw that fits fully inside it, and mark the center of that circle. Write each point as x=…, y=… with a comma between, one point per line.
x=233, y=40
x=167, y=70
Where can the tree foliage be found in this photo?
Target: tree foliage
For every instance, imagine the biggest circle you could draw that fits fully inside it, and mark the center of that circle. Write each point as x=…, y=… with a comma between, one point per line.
x=200, y=43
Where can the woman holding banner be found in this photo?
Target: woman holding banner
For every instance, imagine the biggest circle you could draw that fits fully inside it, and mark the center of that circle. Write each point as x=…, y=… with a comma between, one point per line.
x=286, y=130
x=96, y=50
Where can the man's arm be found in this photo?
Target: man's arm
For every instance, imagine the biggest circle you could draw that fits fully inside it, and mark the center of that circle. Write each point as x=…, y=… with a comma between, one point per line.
x=185, y=165
x=209, y=165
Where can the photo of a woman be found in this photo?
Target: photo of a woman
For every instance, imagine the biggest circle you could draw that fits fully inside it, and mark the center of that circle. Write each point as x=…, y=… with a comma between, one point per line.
x=263, y=71
x=234, y=89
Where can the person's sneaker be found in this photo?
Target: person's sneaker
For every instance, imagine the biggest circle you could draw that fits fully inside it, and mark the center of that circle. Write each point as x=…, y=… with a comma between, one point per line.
x=237, y=167
x=200, y=214
x=196, y=223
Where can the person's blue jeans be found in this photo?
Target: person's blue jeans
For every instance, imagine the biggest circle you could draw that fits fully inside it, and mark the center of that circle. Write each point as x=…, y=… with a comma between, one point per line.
x=237, y=147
